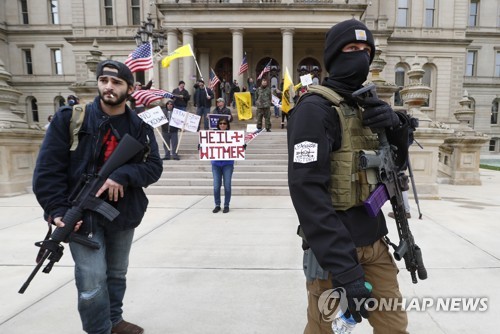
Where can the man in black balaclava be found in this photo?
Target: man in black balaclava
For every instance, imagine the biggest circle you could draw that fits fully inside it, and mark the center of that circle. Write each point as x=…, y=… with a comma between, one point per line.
x=343, y=245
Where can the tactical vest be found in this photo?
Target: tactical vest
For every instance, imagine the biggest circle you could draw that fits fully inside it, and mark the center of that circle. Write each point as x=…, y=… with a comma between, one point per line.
x=349, y=185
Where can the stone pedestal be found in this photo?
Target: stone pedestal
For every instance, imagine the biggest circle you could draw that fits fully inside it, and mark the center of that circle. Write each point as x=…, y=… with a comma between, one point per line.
x=465, y=155
x=430, y=135
x=19, y=143
x=425, y=160
x=462, y=150
x=18, y=152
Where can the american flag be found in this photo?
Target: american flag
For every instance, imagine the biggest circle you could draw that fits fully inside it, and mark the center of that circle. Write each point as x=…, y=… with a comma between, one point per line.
x=147, y=96
x=214, y=80
x=266, y=69
x=244, y=65
x=249, y=136
x=141, y=59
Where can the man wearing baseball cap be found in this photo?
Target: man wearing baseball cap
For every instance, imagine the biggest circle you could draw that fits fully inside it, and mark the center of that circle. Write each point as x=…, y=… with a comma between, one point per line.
x=221, y=109
x=100, y=275
x=344, y=246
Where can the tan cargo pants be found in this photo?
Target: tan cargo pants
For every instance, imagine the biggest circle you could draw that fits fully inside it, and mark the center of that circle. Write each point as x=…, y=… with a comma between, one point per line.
x=381, y=271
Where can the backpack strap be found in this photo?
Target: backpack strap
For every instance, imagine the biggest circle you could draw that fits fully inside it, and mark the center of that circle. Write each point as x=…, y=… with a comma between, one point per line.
x=75, y=124
x=327, y=93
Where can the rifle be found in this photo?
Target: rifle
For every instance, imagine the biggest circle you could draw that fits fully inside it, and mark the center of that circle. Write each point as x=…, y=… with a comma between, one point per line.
x=84, y=200
x=390, y=185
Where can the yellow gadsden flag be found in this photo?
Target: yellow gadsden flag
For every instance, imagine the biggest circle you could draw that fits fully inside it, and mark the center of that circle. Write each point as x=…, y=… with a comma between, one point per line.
x=287, y=88
x=183, y=51
x=244, y=105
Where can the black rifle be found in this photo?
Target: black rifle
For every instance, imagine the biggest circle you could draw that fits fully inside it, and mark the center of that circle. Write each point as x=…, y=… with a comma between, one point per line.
x=390, y=187
x=52, y=249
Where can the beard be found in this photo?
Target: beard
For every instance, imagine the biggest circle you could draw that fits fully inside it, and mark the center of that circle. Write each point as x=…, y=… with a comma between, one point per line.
x=117, y=100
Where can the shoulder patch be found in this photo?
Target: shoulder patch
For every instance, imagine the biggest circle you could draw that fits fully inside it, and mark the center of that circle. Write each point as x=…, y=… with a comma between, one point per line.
x=305, y=152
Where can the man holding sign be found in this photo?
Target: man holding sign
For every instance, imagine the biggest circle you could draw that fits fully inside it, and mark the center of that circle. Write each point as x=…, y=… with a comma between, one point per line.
x=220, y=111
x=169, y=133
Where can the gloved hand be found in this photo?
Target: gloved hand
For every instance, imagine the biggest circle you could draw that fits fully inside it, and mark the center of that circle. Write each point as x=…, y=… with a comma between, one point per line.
x=356, y=291
x=378, y=114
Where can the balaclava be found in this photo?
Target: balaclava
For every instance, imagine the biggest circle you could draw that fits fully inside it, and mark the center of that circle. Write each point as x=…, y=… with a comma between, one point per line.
x=347, y=70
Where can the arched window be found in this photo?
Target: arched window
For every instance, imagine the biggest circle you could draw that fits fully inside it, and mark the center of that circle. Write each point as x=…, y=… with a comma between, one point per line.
x=58, y=102
x=312, y=66
x=400, y=81
x=32, y=110
x=272, y=70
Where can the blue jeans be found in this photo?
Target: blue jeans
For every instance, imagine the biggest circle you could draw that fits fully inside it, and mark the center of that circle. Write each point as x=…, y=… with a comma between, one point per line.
x=276, y=111
x=100, y=277
x=218, y=173
x=203, y=112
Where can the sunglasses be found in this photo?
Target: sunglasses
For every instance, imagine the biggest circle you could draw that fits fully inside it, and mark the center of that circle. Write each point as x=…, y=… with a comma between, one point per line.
x=223, y=123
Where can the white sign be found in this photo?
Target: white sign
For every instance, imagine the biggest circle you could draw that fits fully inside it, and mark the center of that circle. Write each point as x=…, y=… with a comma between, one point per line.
x=185, y=120
x=251, y=127
x=276, y=101
x=222, y=145
x=154, y=117
x=306, y=80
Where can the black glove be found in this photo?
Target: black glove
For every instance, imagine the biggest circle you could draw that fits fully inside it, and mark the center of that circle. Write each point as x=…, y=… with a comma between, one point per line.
x=378, y=114
x=356, y=291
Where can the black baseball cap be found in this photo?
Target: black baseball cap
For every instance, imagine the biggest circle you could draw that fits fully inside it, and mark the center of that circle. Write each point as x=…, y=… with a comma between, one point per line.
x=124, y=72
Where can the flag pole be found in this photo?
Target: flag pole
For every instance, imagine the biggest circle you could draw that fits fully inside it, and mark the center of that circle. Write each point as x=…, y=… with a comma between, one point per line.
x=182, y=131
x=198, y=67
x=163, y=139
x=150, y=71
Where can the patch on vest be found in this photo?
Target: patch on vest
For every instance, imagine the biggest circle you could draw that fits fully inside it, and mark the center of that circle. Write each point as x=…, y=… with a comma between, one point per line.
x=305, y=152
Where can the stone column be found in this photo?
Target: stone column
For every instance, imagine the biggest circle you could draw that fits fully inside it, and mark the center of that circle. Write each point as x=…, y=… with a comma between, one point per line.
x=189, y=70
x=204, y=63
x=19, y=143
x=237, y=53
x=173, y=69
x=287, y=36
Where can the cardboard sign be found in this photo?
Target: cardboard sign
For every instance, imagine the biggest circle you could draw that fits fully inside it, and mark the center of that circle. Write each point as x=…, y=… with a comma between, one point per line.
x=185, y=120
x=222, y=145
x=306, y=80
x=276, y=101
x=154, y=117
x=213, y=119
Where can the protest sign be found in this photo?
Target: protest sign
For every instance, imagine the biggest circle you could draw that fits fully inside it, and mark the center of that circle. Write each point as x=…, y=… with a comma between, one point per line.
x=222, y=145
x=154, y=117
x=185, y=120
x=306, y=80
x=213, y=119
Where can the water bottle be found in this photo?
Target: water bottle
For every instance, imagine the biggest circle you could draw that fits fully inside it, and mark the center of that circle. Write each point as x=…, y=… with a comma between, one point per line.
x=344, y=325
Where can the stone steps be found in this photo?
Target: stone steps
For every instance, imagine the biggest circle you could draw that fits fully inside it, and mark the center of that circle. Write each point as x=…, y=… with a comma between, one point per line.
x=263, y=172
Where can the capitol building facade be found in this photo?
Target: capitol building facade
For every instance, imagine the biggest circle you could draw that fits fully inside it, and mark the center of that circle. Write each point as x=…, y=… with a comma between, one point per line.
x=45, y=47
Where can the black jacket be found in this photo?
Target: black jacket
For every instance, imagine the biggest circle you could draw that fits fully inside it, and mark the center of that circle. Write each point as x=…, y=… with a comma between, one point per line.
x=181, y=102
x=200, y=97
x=58, y=171
x=332, y=235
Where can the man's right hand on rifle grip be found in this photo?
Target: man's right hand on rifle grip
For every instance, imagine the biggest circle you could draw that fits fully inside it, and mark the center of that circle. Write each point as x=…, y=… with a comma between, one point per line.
x=378, y=114
x=59, y=223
